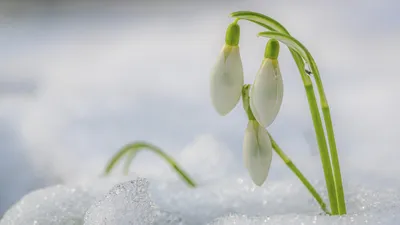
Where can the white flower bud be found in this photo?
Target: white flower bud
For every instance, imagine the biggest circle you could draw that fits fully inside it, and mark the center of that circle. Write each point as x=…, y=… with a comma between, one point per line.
x=227, y=80
x=257, y=152
x=266, y=93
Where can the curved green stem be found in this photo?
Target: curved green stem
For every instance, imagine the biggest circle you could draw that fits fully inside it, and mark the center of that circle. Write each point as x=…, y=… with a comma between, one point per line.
x=334, y=184
x=134, y=147
x=297, y=172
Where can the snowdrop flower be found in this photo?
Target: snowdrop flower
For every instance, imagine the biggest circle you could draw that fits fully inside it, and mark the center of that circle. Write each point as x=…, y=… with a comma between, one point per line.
x=267, y=91
x=227, y=75
x=257, y=146
x=257, y=152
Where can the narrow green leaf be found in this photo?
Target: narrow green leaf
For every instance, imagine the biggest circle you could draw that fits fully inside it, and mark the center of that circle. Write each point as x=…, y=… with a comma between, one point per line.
x=133, y=148
x=276, y=29
x=260, y=19
x=290, y=42
x=263, y=25
x=116, y=158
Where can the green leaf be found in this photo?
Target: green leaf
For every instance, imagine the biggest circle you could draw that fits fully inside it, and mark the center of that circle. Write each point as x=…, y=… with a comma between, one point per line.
x=291, y=43
x=274, y=26
x=132, y=149
x=260, y=19
x=278, y=31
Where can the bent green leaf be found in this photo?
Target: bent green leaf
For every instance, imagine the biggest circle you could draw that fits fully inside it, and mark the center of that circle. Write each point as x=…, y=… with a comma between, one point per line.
x=260, y=19
x=290, y=42
x=137, y=146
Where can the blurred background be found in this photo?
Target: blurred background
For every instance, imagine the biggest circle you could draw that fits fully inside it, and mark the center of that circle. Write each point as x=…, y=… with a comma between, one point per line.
x=80, y=79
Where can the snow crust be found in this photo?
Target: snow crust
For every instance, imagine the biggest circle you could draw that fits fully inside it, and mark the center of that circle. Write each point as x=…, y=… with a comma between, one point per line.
x=226, y=202
x=224, y=196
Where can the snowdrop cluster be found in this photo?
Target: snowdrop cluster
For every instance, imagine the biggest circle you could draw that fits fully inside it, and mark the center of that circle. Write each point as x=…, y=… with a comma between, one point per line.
x=262, y=101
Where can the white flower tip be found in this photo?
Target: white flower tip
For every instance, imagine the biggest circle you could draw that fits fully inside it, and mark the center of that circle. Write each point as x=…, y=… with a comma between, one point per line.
x=259, y=182
x=260, y=176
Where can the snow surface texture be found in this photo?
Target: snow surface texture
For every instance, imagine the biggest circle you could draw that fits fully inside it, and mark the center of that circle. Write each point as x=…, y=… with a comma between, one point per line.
x=227, y=202
x=223, y=197
x=58, y=204
x=53, y=205
x=128, y=203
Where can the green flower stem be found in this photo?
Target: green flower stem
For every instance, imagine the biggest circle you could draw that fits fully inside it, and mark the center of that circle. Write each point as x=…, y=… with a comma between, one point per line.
x=331, y=139
x=334, y=185
x=320, y=134
x=246, y=101
x=135, y=147
x=297, y=172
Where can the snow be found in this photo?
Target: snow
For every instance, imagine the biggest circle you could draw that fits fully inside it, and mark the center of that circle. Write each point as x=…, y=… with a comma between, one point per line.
x=59, y=204
x=237, y=201
x=126, y=203
x=231, y=200
x=224, y=196
x=53, y=205
x=365, y=206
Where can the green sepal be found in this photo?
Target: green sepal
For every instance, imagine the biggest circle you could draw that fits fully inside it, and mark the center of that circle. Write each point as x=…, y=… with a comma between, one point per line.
x=272, y=49
x=232, y=36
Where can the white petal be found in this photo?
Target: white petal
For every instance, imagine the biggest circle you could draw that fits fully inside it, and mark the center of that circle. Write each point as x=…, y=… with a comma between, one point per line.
x=227, y=80
x=257, y=152
x=266, y=93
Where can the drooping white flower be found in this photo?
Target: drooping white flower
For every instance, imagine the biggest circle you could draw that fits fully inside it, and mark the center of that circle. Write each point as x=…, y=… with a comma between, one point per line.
x=266, y=94
x=257, y=152
x=227, y=78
